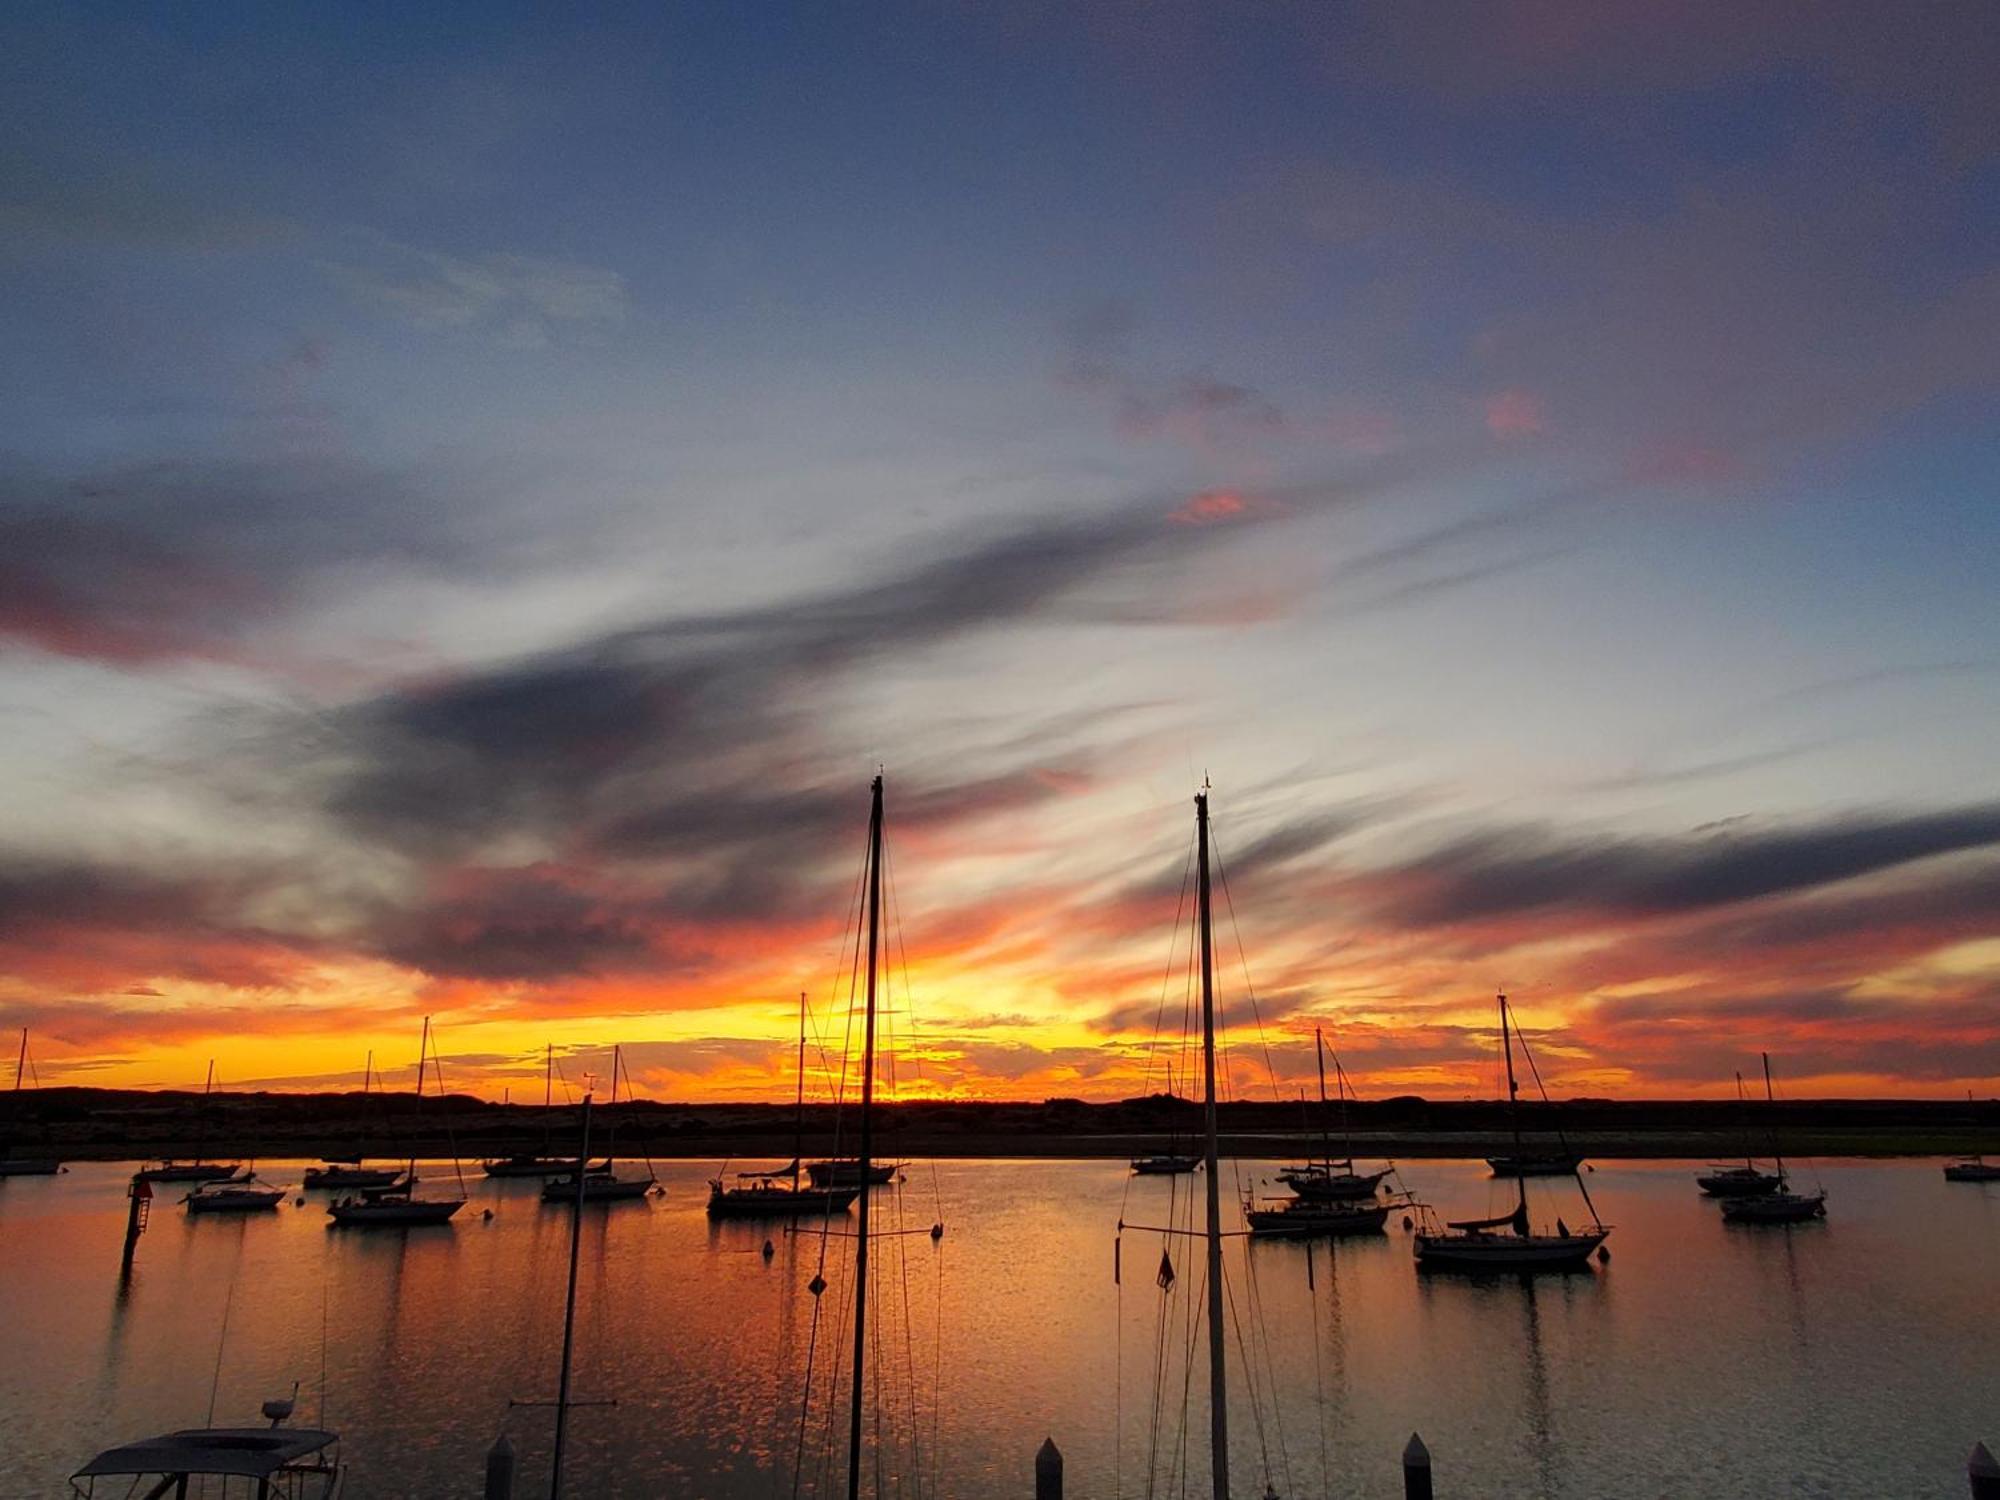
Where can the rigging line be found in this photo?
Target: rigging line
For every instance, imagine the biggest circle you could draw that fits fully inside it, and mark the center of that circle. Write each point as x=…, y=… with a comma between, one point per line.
x=444, y=1109
x=222, y=1335
x=1160, y=1011
x=1260, y=1329
x=1562, y=1140
x=1243, y=958
x=1319, y=1378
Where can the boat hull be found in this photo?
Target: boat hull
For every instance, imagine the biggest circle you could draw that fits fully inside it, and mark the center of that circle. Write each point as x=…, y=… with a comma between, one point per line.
x=1311, y=1221
x=351, y=1177
x=530, y=1166
x=598, y=1190
x=1502, y=1253
x=849, y=1175
x=1165, y=1166
x=24, y=1166
x=235, y=1201
x=1340, y=1187
x=1740, y=1184
x=188, y=1171
x=403, y=1215
x=1534, y=1166
x=782, y=1203
x=1972, y=1171
x=1775, y=1208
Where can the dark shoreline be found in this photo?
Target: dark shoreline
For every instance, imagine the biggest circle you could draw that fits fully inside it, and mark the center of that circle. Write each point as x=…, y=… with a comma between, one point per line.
x=88, y=1124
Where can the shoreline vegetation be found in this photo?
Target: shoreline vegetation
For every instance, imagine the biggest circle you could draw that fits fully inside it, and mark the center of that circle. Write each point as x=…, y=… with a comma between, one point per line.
x=96, y=1124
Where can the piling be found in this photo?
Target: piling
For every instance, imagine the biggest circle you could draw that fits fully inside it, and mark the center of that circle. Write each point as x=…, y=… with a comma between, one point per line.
x=500, y=1470
x=1048, y=1471
x=138, y=1199
x=1416, y=1470
x=1982, y=1472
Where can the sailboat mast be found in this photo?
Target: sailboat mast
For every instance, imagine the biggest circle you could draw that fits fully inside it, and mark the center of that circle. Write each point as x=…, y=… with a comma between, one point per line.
x=423, y=1057
x=866, y=1163
x=21, y=1062
x=548, y=1097
x=1514, y=1112
x=1771, y=1098
x=799, y=1106
x=201, y=1130
x=569, y=1307
x=1218, y=1375
x=1325, y=1139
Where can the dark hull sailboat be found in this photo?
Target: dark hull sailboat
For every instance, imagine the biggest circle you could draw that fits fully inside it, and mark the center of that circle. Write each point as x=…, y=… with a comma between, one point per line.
x=1776, y=1204
x=1739, y=1182
x=339, y=1175
x=1302, y=1218
x=598, y=1187
x=23, y=1166
x=189, y=1171
x=244, y=1197
x=778, y=1194
x=1164, y=1166
x=770, y=1199
x=1509, y=1242
x=1775, y=1208
x=847, y=1172
x=1321, y=1182
x=395, y=1205
x=29, y=1166
x=1977, y=1169
x=1552, y=1164
x=531, y=1166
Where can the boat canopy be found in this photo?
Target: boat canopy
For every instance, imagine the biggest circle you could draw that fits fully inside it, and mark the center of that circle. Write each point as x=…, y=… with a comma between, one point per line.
x=251, y=1452
x=1517, y=1220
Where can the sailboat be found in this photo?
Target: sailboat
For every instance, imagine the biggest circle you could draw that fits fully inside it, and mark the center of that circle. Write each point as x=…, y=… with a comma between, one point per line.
x=23, y=1166
x=194, y=1169
x=1509, y=1241
x=600, y=1183
x=1727, y=1180
x=527, y=1164
x=1973, y=1168
x=1330, y=1197
x=348, y=1171
x=235, y=1195
x=1324, y=1178
x=766, y=1195
x=1173, y=1160
x=1781, y=1205
x=395, y=1205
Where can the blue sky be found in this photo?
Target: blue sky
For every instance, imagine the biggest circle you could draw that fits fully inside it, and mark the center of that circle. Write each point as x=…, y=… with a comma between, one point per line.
x=446, y=448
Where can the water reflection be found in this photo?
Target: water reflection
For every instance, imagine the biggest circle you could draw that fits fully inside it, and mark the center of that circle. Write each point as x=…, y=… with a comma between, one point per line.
x=1839, y=1359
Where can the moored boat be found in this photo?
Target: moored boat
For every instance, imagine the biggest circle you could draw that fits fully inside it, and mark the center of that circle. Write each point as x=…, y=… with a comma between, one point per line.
x=1164, y=1165
x=1973, y=1168
x=239, y=1196
x=845, y=1171
x=1297, y=1218
x=22, y=1166
x=600, y=1183
x=395, y=1205
x=1509, y=1241
x=1746, y=1181
x=195, y=1168
x=1536, y=1164
x=1777, y=1204
x=352, y=1171
x=297, y=1463
x=770, y=1195
x=528, y=1163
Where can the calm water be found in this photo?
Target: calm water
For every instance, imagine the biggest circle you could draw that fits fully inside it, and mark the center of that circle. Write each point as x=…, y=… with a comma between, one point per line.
x=1851, y=1358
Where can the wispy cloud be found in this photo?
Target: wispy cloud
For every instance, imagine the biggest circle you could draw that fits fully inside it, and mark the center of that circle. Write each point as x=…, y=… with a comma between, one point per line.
x=522, y=301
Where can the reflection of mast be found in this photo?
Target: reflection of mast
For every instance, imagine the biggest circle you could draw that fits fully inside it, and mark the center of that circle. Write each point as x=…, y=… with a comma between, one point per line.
x=866, y=1162
x=1218, y=1375
x=1538, y=1387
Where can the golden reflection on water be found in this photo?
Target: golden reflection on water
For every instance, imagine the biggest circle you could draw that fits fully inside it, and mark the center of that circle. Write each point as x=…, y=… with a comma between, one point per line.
x=1849, y=1357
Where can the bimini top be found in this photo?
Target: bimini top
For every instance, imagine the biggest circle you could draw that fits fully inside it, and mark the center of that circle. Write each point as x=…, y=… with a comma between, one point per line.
x=253, y=1452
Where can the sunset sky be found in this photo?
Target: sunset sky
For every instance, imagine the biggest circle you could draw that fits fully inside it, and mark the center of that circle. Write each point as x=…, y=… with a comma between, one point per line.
x=483, y=488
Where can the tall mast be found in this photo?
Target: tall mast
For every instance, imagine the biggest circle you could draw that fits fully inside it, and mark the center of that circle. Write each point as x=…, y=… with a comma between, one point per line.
x=21, y=1062
x=611, y=1133
x=201, y=1130
x=866, y=1163
x=799, y=1108
x=569, y=1306
x=1514, y=1119
x=423, y=1057
x=1325, y=1139
x=1218, y=1374
x=548, y=1096
x=1742, y=1109
x=1771, y=1099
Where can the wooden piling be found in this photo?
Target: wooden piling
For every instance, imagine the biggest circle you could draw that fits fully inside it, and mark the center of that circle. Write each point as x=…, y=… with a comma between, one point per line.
x=1982, y=1472
x=500, y=1470
x=1416, y=1470
x=1048, y=1471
